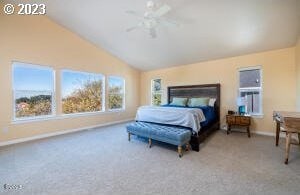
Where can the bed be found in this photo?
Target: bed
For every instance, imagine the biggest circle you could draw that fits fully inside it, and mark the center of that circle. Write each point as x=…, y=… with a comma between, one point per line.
x=201, y=126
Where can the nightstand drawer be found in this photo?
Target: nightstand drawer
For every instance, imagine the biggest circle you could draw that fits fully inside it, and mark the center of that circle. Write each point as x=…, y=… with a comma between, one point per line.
x=244, y=120
x=237, y=120
x=230, y=119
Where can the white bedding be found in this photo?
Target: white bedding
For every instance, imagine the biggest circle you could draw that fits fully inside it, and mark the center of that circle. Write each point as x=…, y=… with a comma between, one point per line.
x=187, y=117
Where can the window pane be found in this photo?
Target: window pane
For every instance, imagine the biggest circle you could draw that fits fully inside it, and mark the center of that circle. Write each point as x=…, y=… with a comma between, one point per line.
x=33, y=90
x=252, y=101
x=156, y=99
x=32, y=77
x=81, y=92
x=33, y=103
x=116, y=92
x=156, y=85
x=115, y=85
x=156, y=91
x=115, y=101
x=250, y=78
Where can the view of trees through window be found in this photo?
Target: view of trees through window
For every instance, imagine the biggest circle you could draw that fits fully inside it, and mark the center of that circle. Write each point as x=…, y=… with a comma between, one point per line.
x=33, y=90
x=34, y=94
x=115, y=93
x=82, y=92
x=156, y=92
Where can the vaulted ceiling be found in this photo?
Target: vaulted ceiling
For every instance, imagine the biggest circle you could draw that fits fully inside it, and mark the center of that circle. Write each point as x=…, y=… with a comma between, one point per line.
x=209, y=29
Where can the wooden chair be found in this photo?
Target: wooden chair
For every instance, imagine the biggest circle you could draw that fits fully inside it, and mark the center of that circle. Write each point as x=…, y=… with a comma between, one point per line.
x=291, y=125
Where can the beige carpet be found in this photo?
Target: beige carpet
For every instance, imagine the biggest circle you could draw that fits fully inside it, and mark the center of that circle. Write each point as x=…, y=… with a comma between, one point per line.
x=102, y=161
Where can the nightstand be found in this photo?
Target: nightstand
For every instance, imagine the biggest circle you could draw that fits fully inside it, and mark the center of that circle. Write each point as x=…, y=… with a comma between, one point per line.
x=238, y=120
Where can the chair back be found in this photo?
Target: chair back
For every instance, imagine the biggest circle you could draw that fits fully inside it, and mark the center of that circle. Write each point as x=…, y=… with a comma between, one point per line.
x=292, y=124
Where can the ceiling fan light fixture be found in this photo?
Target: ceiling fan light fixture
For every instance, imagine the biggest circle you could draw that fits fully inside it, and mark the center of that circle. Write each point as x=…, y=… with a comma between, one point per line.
x=150, y=5
x=150, y=24
x=152, y=18
x=149, y=15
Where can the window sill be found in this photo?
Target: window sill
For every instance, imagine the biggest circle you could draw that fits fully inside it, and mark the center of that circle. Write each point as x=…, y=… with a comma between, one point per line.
x=72, y=115
x=30, y=120
x=63, y=116
x=116, y=110
x=257, y=115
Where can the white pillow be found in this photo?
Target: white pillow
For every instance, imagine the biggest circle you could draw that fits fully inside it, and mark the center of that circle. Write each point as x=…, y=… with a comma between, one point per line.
x=212, y=102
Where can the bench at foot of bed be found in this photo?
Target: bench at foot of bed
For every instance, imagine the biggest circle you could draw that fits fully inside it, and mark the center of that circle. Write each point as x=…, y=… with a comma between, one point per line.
x=169, y=134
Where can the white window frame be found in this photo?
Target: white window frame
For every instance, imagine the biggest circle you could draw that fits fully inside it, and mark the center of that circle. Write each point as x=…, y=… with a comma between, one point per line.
x=86, y=73
x=123, y=94
x=156, y=92
x=253, y=89
x=53, y=98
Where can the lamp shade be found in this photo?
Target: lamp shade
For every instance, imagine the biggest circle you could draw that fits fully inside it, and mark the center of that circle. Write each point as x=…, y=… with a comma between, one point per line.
x=241, y=101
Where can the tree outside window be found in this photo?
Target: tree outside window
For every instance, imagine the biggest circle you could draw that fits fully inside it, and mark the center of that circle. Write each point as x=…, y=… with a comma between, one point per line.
x=33, y=89
x=82, y=92
x=116, y=93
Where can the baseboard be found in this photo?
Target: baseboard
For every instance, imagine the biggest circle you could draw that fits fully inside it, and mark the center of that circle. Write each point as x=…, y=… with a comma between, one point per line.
x=266, y=133
x=16, y=141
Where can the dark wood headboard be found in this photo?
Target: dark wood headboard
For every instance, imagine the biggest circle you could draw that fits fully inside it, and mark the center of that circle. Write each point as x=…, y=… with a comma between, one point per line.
x=192, y=91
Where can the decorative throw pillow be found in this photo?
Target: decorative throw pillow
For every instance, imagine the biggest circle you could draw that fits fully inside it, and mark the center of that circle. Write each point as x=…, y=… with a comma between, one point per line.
x=212, y=102
x=196, y=102
x=179, y=101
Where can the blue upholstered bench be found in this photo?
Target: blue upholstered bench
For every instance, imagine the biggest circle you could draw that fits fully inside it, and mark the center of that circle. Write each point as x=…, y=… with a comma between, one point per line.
x=178, y=136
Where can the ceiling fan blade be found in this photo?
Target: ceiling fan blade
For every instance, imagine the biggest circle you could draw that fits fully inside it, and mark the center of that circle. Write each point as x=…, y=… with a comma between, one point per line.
x=152, y=32
x=134, y=13
x=131, y=29
x=169, y=22
x=134, y=27
x=162, y=10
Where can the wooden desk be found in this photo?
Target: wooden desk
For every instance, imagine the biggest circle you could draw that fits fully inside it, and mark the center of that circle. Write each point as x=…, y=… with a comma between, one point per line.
x=278, y=117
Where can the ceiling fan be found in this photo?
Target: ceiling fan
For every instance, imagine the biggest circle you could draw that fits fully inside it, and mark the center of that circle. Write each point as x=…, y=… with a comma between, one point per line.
x=152, y=18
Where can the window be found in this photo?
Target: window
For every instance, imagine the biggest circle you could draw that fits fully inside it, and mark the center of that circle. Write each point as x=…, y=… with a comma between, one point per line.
x=33, y=91
x=156, y=92
x=250, y=88
x=82, y=92
x=116, y=93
